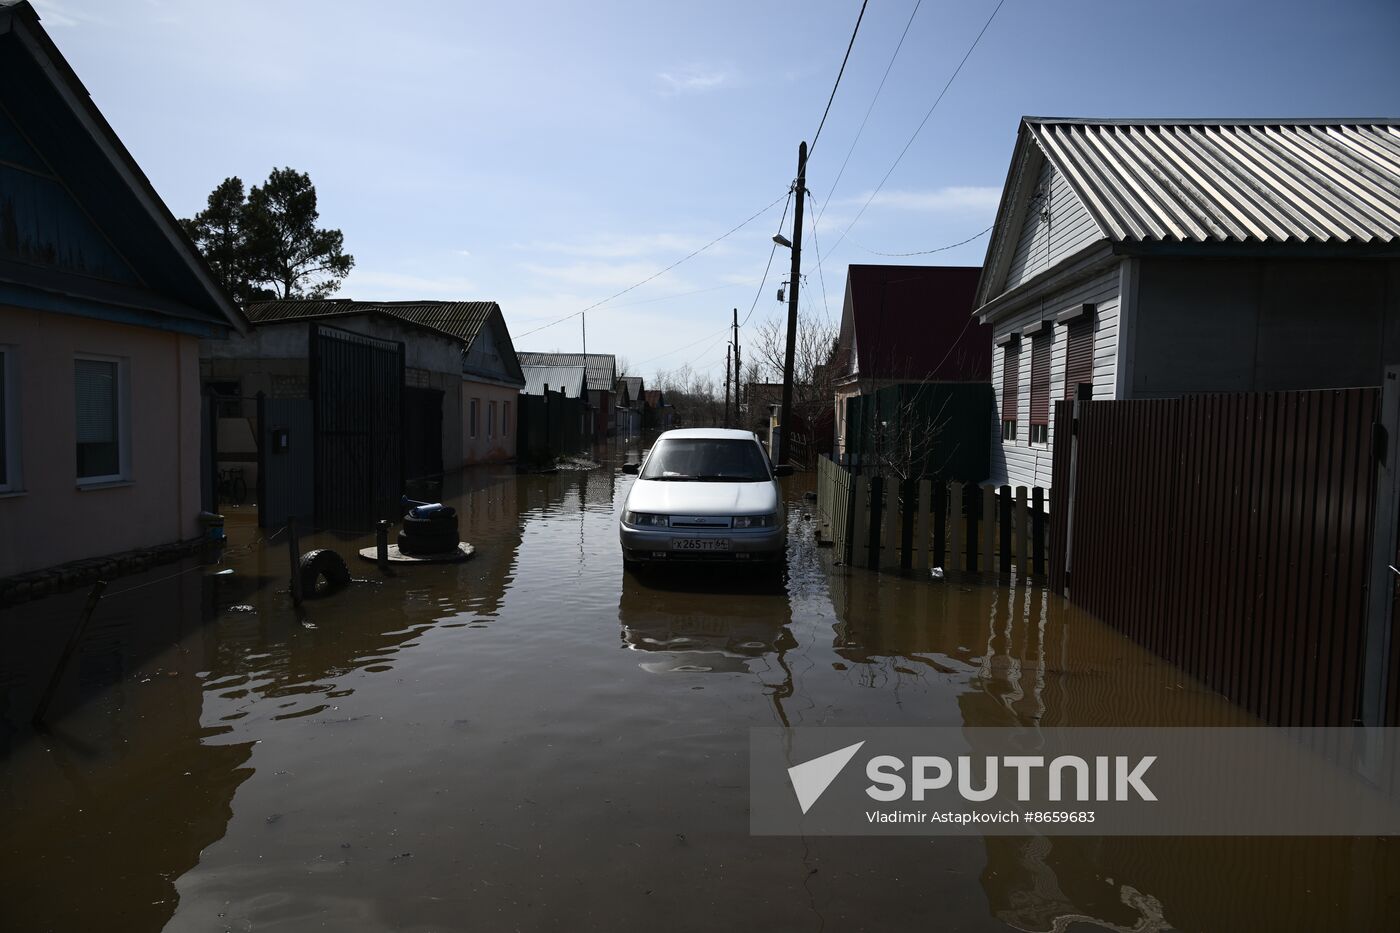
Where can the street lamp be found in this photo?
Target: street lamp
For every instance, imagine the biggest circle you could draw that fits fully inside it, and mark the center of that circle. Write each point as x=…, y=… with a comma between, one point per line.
x=782, y=240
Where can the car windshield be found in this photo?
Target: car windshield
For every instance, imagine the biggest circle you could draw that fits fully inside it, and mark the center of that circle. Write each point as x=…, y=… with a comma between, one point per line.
x=707, y=459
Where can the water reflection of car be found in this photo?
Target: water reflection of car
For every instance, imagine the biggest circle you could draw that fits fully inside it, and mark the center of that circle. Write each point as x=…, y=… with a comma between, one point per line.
x=717, y=626
x=704, y=494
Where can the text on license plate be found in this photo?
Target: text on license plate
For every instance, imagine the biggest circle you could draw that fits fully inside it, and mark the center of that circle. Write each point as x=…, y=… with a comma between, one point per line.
x=700, y=544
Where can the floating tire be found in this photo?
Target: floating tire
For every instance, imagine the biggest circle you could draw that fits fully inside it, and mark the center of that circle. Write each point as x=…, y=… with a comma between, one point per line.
x=323, y=571
x=435, y=543
x=436, y=521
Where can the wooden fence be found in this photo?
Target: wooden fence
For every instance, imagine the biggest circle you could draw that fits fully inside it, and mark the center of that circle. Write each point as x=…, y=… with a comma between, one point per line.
x=1230, y=535
x=888, y=524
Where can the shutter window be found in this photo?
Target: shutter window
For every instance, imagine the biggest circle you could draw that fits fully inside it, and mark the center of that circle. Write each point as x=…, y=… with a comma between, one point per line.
x=1079, y=355
x=1040, y=378
x=95, y=395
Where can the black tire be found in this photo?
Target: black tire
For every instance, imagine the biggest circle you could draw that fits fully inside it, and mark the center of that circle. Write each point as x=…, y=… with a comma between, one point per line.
x=428, y=543
x=437, y=522
x=323, y=571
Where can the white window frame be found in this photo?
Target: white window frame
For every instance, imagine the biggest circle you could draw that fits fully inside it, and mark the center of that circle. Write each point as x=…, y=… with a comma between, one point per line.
x=14, y=475
x=123, y=474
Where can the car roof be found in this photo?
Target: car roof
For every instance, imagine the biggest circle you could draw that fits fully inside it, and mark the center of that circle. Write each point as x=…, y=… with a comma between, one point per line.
x=710, y=433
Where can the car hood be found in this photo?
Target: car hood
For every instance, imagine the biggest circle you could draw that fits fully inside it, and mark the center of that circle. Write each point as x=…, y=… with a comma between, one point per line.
x=695, y=498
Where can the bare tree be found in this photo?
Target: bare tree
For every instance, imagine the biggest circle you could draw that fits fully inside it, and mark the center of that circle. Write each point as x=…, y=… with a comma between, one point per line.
x=813, y=377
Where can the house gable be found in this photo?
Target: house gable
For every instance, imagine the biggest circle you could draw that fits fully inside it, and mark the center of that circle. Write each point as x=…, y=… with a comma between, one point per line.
x=81, y=229
x=491, y=354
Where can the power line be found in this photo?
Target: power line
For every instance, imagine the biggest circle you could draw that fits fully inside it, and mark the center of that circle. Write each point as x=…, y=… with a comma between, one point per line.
x=925, y=252
x=688, y=256
x=869, y=110
x=937, y=100
x=751, y=307
x=845, y=59
x=821, y=276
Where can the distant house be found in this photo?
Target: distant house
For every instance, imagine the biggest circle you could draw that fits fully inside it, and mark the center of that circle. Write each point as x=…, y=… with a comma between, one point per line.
x=478, y=390
x=103, y=300
x=1150, y=258
x=661, y=414
x=277, y=356
x=907, y=350
x=601, y=379
x=631, y=405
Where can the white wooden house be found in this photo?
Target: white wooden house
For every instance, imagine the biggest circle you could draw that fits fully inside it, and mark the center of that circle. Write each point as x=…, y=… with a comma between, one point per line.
x=1153, y=258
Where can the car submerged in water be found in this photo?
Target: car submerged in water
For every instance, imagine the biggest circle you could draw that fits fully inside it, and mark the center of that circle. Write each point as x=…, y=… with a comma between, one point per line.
x=704, y=494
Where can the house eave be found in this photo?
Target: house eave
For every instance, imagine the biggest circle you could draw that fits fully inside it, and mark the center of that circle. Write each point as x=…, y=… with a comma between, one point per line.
x=1086, y=263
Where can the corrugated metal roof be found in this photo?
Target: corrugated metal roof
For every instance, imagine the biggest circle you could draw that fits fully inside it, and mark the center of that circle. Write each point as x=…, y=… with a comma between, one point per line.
x=634, y=387
x=568, y=378
x=461, y=319
x=600, y=366
x=1240, y=181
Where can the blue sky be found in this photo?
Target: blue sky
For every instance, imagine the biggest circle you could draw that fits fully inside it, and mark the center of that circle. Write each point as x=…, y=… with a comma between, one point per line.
x=547, y=154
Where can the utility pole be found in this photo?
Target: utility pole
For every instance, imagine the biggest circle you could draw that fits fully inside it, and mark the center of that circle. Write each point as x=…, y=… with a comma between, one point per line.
x=728, y=355
x=785, y=416
x=738, y=374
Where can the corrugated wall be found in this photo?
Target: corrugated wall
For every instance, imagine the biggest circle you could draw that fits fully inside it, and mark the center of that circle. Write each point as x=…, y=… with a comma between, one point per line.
x=1229, y=534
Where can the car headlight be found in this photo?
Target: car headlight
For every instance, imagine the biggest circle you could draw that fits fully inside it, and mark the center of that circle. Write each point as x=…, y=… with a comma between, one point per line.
x=756, y=521
x=645, y=518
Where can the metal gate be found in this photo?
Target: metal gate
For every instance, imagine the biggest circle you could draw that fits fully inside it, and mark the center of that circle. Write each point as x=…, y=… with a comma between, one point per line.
x=357, y=406
x=286, y=465
x=422, y=433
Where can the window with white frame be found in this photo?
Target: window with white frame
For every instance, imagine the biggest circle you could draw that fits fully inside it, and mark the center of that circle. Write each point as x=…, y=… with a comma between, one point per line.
x=99, y=389
x=9, y=422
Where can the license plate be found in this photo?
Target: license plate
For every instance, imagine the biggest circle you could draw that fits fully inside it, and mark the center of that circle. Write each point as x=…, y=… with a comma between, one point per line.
x=700, y=544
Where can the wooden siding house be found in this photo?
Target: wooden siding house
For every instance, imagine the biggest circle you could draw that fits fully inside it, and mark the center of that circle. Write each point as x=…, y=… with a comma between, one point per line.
x=103, y=300
x=905, y=330
x=1154, y=258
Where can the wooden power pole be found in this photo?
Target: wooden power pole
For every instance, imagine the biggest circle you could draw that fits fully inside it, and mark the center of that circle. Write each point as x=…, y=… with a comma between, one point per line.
x=738, y=374
x=728, y=356
x=785, y=416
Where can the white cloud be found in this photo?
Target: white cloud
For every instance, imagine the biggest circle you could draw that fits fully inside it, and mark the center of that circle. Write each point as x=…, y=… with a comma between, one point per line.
x=617, y=246
x=952, y=199
x=396, y=286
x=695, y=79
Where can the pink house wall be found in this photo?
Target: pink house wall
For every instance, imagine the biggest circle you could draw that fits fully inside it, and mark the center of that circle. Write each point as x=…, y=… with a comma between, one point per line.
x=51, y=519
x=488, y=446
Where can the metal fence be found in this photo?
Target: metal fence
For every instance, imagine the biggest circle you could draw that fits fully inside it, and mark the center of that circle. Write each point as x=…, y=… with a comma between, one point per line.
x=357, y=395
x=1229, y=534
x=885, y=524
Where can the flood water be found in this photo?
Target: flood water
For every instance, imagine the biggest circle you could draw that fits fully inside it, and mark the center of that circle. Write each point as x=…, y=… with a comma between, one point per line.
x=533, y=740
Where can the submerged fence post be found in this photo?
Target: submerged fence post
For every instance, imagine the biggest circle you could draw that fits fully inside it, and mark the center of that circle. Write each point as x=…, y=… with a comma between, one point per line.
x=381, y=545
x=94, y=595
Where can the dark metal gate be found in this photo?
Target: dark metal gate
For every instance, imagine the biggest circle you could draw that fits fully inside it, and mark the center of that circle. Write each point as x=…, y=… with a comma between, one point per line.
x=1230, y=534
x=357, y=404
x=422, y=433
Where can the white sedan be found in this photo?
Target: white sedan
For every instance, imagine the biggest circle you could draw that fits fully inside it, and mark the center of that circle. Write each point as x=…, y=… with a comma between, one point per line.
x=704, y=494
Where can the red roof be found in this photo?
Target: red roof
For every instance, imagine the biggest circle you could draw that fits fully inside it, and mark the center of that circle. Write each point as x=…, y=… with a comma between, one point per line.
x=915, y=323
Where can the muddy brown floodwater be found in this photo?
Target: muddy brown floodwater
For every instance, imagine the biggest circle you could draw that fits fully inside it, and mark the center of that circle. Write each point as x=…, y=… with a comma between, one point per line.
x=535, y=741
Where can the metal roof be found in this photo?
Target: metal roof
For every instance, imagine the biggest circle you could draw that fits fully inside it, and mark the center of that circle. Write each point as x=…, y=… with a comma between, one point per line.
x=1232, y=181
x=634, y=386
x=568, y=378
x=460, y=319
x=600, y=366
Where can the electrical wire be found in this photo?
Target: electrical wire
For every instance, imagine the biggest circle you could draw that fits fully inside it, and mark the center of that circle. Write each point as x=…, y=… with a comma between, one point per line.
x=688, y=256
x=812, y=148
x=869, y=110
x=925, y=252
x=922, y=123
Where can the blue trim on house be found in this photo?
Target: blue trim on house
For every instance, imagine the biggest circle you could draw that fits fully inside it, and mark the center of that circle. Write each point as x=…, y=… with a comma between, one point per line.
x=20, y=297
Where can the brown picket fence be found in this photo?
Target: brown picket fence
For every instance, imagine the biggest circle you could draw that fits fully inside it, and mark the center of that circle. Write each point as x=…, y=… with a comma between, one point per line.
x=887, y=523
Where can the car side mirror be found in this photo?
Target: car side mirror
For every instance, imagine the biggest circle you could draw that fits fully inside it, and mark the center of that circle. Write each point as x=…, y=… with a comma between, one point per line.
x=632, y=468
x=784, y=470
